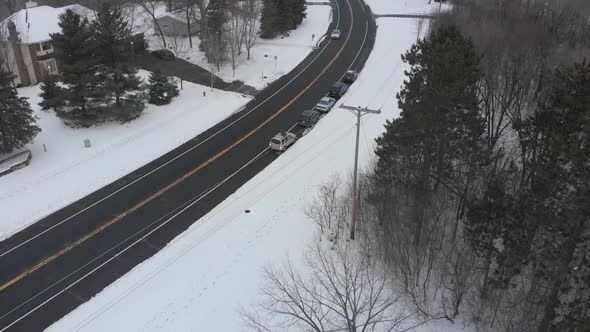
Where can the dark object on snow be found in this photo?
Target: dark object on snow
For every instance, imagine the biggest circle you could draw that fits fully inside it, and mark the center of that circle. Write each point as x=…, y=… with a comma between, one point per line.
x=164, y=54
x=15, y=162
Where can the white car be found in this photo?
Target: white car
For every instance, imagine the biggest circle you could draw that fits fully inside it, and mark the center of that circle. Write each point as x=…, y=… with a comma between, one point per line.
x=335, y=34
x=325, y=104
x=281, y=141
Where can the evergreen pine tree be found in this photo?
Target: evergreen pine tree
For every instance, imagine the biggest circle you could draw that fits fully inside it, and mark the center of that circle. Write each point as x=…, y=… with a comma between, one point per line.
x=161, y=89
x=52, y=95
x=269, y=19
x=299, y=9
x=17, y=120
x=440, y=126
x=561, y=188
x=286, y=15
x=75, y=54
x=113, y=50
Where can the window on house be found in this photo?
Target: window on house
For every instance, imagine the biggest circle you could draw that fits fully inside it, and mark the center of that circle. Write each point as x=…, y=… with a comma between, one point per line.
x=49, y=66
x=38, y=47
x=164, y=25
x=46, y=46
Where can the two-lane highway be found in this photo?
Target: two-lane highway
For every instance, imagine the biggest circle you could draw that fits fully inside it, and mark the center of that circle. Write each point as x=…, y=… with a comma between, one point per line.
x=50, y=268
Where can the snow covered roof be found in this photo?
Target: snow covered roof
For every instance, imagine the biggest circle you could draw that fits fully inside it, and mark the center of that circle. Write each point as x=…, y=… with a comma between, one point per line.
x=34, y=25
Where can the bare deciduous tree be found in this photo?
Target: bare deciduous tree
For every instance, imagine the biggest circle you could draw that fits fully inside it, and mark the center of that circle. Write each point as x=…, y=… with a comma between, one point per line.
x=328, y=210
x=235, y=31
x=343, y=290
x=176, y=43
x=151, y=7
x=251, y=14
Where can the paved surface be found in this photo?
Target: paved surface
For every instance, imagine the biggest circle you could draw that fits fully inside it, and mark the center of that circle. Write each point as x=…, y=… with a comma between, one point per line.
x=189, y=72
x=63, y=260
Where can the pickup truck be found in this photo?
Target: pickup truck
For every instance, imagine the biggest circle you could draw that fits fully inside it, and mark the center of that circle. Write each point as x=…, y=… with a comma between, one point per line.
x=281, y=141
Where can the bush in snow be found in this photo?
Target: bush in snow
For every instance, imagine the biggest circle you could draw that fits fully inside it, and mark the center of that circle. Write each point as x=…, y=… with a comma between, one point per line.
x=161, y=89
x=52, y=94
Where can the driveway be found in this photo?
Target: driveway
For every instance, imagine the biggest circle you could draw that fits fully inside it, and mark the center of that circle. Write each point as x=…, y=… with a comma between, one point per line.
x=189, y=72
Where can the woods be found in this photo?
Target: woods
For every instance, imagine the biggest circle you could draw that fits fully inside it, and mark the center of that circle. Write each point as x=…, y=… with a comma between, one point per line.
x=477, y=203
x=478, y=188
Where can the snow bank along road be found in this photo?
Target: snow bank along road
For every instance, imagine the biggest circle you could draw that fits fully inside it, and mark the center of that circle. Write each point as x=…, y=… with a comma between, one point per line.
x=51, y=267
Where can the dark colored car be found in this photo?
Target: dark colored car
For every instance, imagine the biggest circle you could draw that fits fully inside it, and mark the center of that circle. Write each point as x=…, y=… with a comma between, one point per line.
x=338, y=89
x=350, y=76
x=308, y=118
x=164, y=54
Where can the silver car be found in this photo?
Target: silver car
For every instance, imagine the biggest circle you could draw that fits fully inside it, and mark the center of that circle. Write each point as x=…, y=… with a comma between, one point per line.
x=325, y=104
x=281, y=141
x=335, y=34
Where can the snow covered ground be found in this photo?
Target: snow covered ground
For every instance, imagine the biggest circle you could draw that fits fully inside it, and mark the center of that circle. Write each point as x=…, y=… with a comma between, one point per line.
x=261, y=69
x=204, y=276
x=383, y=7
x=69, y=171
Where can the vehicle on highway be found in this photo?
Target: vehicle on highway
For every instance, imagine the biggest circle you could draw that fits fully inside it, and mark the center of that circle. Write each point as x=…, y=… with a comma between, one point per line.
x=325, y=104
x=338, y=90
x=350, y=76
x=281, y=141
x=335, y=34
x=308, y=118
x=164, y=54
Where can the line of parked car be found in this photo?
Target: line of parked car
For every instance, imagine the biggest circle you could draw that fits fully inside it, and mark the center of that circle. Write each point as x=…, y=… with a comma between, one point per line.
x=281, y=141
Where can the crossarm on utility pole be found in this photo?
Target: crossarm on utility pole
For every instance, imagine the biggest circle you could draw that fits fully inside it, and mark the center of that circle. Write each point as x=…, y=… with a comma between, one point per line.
x=360, y=111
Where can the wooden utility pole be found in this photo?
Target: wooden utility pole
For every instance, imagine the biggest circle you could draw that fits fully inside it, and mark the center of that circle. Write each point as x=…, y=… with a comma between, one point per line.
x=359, y=112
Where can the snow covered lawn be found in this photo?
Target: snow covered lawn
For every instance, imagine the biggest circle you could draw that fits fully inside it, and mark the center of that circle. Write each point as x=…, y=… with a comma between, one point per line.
x=69, y=171
x=261, y=69
x=204, y=276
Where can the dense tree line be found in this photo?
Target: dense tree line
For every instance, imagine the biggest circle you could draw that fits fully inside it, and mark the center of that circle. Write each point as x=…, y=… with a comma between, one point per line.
x=479, y=197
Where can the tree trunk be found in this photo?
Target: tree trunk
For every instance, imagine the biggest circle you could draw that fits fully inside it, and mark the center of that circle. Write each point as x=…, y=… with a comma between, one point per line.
x=188, y=24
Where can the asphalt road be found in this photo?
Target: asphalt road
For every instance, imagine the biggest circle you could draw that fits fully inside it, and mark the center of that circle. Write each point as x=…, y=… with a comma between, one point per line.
x=50, y=268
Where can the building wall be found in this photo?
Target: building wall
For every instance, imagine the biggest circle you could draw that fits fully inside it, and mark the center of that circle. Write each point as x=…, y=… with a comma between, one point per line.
x=10, y=61
x=29, y=64
x=173, y=27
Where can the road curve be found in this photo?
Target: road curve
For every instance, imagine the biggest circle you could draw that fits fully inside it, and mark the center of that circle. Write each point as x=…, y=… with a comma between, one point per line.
x=53, y=266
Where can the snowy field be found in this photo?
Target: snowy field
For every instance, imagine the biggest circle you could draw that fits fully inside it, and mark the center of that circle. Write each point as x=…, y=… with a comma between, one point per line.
x=202, y=278
x=69, y=171
x=261, y=69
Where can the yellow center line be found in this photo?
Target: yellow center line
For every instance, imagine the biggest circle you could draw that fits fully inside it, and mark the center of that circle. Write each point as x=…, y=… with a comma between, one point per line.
x=75, y=244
